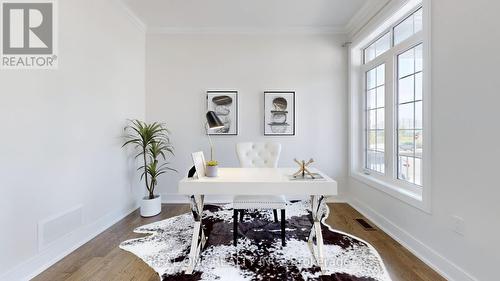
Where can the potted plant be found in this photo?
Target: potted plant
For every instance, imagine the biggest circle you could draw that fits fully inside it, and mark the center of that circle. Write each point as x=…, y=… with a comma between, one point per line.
x=212, y=169
x=152, y=142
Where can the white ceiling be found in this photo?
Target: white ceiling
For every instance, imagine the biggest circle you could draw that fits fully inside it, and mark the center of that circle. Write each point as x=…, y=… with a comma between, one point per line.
x=178, y=15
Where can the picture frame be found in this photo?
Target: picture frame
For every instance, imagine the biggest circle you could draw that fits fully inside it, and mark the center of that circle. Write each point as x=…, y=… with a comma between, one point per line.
x=199, y=163
x=279, y=113
x=225, y=106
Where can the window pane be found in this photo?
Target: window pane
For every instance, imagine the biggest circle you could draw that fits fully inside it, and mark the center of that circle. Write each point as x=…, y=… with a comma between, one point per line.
x=369, y=159
x=403, y=30
x=374, y=161
x=375, y=102
x=418, y=22
x=418, y=115
x=378, y=47
x=380, y=162
x=406, y=168
x=381, y=96
x=371, y=79
x=371, y=99
x=418, y=143
x=380, y=118
x=411, y=169
x=408, y=27
x=372, y=140
x=380, y=140
x=381, y=75
x=406, y=63
x=418, y=171
x=406, y=117
x=406, y=144
x=406, y=90
x=418, y=86
x=377, y=163
x=369, y=53
x=419, y=58
x=383, y=44
x=372, y=119
x=410, y=114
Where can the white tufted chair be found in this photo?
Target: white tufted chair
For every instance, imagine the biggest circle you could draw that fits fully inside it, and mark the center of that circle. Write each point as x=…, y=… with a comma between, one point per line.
x=259, y=155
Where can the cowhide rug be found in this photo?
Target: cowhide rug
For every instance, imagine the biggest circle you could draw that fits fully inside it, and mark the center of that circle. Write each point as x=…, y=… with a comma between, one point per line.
x=259, y=255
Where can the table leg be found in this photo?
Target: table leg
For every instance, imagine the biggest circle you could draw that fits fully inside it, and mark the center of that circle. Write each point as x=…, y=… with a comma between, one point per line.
x=317, y=214
x=199, y=238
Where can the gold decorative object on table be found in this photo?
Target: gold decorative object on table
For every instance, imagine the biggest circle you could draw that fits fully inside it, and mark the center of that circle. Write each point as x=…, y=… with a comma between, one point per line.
x=303, y=165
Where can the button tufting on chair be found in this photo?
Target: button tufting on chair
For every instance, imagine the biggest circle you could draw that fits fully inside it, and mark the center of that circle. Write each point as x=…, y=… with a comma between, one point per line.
x=251, y=154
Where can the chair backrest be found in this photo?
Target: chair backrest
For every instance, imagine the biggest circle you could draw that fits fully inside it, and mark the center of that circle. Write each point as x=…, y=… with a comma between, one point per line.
x=199, y=163
x=258, y=154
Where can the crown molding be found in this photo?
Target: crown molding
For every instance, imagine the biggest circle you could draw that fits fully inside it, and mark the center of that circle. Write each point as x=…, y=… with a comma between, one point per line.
x=369, y=10
x=248, y=30
x=131, y=15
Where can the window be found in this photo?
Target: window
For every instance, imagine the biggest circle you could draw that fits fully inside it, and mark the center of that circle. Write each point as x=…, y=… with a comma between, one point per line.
x=409, y=26
x=375, y=114
x=377, y=48
x=389, y=97
x=410, y=126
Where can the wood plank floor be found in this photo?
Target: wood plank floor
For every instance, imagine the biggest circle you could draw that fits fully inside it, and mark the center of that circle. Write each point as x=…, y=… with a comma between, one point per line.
x=100, y=259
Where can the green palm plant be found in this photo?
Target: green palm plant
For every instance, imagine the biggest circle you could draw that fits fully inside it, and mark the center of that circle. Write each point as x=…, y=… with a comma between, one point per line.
x=151, y=142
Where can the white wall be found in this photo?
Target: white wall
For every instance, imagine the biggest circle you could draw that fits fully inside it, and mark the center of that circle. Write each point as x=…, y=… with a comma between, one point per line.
x=60, y=137
x=180, y=68
x=60, y=141
x=465, y=130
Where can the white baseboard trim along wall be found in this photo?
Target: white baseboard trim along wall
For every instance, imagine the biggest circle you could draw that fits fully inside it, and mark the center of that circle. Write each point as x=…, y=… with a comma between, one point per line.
x=64, y=246
x=433, y=259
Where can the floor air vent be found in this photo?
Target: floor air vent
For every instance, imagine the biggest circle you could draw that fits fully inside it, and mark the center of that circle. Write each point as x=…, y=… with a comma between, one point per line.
x=365, y=224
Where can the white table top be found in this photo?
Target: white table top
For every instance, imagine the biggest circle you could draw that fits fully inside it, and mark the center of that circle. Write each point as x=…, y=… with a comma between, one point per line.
x=257, y=181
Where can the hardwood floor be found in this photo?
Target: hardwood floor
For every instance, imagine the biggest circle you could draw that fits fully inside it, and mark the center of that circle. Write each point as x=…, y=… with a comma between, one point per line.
x=401, y=263
x=100, y=259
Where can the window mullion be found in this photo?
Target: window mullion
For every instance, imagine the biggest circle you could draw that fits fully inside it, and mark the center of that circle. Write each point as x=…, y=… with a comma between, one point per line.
x=389, y=116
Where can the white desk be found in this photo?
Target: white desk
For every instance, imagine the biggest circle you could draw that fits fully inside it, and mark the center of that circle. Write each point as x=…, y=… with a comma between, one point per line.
x=256, y=181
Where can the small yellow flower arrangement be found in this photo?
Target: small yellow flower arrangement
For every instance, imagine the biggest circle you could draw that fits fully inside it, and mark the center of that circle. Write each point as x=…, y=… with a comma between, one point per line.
x=212, y=163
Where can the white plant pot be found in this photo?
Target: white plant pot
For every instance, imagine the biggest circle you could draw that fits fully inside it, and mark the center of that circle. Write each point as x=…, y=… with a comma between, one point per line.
x=150, y=207
x=211, y=171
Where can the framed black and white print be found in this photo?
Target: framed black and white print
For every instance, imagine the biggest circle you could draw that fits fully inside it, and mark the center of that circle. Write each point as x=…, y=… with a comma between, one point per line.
x=225, y=106
x=279, y=113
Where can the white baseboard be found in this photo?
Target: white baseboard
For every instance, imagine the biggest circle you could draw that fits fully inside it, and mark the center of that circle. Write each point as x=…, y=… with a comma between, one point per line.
x=336, y=199
x=168, y=198
x=64, y=246
x=429, y=256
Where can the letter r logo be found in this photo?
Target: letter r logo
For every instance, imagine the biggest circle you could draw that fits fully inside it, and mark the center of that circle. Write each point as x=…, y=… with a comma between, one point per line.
x=27, y=28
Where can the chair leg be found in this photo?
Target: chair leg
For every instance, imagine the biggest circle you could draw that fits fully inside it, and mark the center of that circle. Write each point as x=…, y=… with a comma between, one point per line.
x=235, y=227
x=283, y=238
x=275, y=212
x=242, y=213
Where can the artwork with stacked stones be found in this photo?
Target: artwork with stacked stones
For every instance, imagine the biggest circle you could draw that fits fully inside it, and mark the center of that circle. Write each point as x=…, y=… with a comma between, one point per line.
x=279, y=113
x=225, y=106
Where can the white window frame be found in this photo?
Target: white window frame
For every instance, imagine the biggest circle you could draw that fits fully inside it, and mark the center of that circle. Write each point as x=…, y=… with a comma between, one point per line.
x=365, y=129
x=417, y=196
